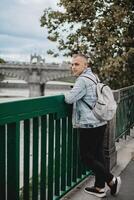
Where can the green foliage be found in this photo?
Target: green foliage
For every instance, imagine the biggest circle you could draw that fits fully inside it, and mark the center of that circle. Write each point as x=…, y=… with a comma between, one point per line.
x=2, y=61
x=102, y=29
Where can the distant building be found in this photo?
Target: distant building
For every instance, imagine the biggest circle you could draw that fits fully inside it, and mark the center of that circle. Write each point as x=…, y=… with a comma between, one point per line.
x=36, y=59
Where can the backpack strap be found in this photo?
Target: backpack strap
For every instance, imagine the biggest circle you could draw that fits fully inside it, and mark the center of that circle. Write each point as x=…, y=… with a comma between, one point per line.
x=90, y=79
x=95, y=82
x=91, y=108
x=87, y=104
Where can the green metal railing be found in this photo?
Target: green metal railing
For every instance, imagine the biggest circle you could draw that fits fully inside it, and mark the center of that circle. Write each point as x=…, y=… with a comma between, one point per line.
x=39, y=150
x=39, y=154
x=125, y=112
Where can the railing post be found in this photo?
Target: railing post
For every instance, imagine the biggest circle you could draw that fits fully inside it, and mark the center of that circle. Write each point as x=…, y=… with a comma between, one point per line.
x=109, y=143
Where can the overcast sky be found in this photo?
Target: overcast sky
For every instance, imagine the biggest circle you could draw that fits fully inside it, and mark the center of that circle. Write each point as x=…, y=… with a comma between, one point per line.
x=20, y=31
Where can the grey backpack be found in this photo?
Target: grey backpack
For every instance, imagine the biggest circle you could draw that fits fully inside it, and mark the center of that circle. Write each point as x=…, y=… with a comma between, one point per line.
x=105, y=106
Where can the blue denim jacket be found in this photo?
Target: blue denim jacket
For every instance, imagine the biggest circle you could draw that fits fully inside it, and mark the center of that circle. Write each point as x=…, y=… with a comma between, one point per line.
x=84, y=89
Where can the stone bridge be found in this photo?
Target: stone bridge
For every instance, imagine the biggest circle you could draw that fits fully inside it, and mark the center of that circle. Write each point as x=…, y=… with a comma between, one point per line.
x=36, y=75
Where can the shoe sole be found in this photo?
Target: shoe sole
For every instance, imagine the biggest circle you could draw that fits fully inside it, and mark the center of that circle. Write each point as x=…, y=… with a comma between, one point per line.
x=96, y=194
x=118, y=185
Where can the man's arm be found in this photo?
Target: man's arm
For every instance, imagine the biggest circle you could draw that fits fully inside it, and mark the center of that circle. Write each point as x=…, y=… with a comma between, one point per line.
x=77, y=92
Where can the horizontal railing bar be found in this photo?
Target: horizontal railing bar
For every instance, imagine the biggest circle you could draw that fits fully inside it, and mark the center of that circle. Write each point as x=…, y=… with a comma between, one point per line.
x=73, y=185
x=122, y=134
x=22, y=110
x=18, y=118
x=18, y=109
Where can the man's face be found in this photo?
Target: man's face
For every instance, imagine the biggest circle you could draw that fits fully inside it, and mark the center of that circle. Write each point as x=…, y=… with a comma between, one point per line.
x=78, y=65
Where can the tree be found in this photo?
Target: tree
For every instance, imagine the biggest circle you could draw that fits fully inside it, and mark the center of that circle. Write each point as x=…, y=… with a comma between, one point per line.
x=99, y=28
x=2, y=61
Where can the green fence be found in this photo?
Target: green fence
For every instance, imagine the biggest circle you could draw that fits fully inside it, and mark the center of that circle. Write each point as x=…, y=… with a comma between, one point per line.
x=125, y=111
x=39, y=154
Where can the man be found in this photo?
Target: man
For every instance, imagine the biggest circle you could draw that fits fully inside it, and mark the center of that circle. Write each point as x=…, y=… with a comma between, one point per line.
x=90, y=128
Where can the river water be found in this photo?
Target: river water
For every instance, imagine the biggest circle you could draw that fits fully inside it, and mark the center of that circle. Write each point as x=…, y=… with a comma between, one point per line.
x=52, y=88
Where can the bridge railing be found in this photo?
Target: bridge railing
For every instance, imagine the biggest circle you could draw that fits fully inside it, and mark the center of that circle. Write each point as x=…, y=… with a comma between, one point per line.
x=39, y=155
x=120, y=125
x=125, y=111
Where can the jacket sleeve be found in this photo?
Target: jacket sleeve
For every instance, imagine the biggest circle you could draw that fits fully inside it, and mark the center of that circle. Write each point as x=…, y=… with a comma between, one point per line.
x=77, y=92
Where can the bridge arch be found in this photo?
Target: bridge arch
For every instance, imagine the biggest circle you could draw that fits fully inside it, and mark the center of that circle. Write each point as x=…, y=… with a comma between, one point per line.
x=13, y=75
x=35, y=75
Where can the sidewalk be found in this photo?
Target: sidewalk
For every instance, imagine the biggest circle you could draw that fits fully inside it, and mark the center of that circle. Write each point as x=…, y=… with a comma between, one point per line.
x=124, y=168
x=127, y=188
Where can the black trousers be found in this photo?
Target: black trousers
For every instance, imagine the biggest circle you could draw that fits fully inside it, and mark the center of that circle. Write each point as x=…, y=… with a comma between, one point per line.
x=91, y=142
